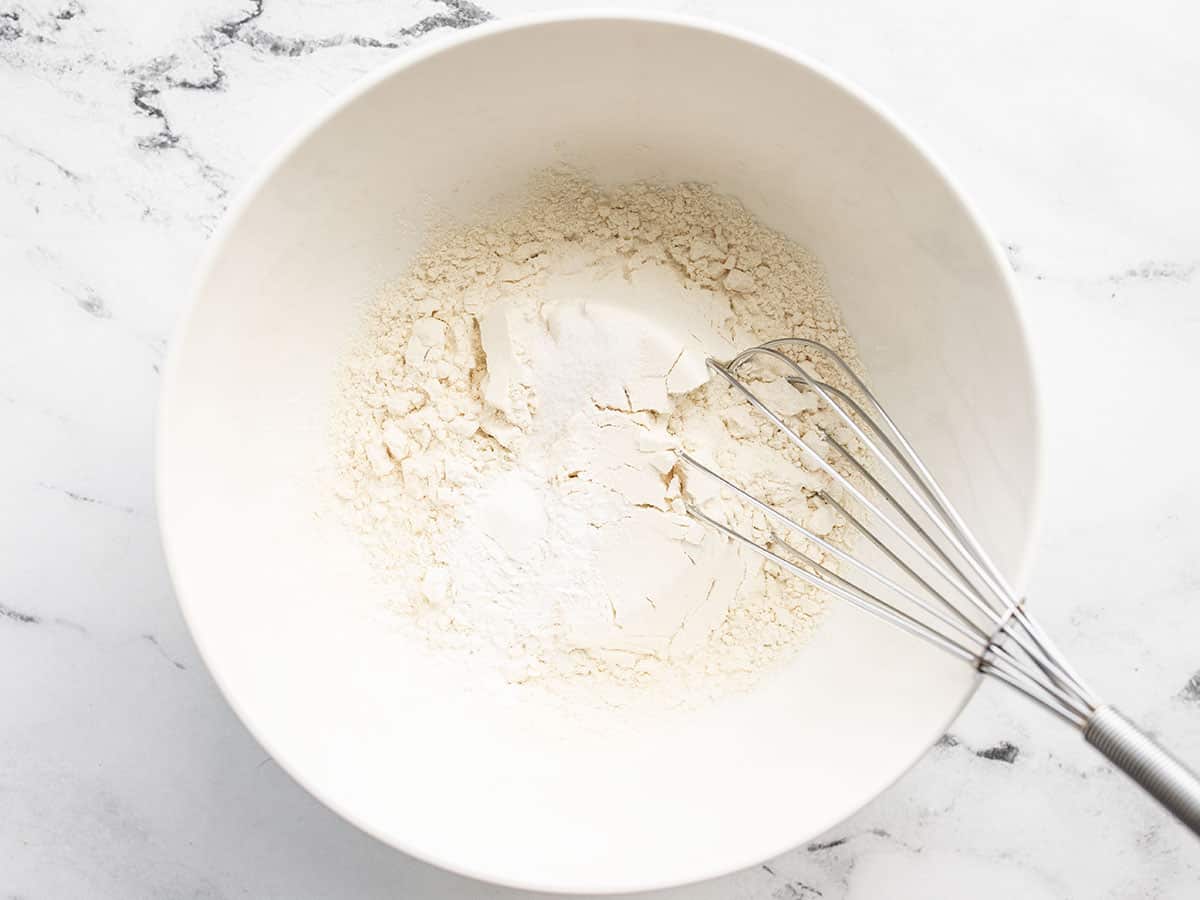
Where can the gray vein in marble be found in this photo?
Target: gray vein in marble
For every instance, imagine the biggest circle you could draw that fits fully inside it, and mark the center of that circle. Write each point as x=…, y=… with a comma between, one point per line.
x=1150, y=270
x=142, y=95
x=68, y=624
x=83, y=295
x=166, y=138
x=230, y=29
x=38, y=154
x=826, y=845
x=153, y=641
x=10, y=28
x=93, y=304
x=796, y=890
x=154, y=76
x=837, y=842
x=1004, y=751
x=1191, y=691
x=21, y=617
x=462, y=14
x=84, y=498
x=69, y=11
x=1156, y=270
x=15, y=615
x=831, y=863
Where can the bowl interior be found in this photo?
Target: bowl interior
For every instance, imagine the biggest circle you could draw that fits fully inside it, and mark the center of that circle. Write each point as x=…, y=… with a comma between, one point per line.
x=497, y=785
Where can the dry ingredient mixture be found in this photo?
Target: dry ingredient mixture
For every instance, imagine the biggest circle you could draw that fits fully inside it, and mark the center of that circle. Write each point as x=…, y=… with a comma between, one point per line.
x=507, y=432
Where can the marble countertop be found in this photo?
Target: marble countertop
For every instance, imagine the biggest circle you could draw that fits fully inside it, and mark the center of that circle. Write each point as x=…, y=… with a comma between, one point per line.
x=126, y=128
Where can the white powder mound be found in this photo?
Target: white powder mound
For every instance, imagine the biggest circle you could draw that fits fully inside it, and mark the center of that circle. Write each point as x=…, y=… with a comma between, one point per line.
x=508, y=428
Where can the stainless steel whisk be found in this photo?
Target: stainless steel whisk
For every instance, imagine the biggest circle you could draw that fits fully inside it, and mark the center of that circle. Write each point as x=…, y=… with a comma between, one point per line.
x=943, y=587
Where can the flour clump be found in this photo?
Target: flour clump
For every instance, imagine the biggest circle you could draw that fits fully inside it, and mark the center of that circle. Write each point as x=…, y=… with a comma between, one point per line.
x=507, y=437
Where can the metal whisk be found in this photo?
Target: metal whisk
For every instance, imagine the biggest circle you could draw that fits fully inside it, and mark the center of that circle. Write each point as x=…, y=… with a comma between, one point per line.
x=940, y=584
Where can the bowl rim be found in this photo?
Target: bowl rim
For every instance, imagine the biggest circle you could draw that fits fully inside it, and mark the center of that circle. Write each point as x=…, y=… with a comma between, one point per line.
x=299, y=135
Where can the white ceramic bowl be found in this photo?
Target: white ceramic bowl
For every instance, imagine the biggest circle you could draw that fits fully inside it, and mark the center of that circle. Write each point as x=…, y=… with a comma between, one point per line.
x=276, y=597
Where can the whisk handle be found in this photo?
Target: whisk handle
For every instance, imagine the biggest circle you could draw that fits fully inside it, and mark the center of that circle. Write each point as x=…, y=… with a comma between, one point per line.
x=1164, y=777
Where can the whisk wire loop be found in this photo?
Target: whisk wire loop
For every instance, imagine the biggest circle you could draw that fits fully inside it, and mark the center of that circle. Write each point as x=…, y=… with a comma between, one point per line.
x=1058, y=667
x=1011, y=648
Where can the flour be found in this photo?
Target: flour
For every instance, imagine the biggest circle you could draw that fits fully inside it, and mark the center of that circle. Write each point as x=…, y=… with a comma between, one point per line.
x=508, y=432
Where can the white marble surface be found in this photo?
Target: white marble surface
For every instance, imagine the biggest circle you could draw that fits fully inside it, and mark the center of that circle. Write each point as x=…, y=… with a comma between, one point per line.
x=126, y=127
